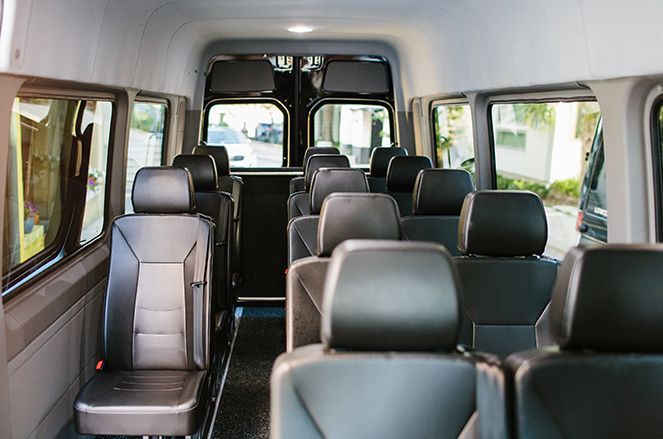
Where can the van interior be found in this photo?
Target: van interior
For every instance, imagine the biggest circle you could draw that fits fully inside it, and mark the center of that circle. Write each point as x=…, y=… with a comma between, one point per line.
x=331, y=219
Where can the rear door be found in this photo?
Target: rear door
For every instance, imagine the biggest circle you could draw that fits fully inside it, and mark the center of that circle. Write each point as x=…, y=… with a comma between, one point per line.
x=266, y=110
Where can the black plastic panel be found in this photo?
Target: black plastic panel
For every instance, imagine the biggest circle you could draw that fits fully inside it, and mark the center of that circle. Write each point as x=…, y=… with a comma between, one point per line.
x=242, y=76
x=264, y=239
x=356, y=77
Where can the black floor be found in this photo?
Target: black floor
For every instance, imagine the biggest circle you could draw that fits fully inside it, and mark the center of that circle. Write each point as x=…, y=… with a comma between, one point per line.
x=244, y=406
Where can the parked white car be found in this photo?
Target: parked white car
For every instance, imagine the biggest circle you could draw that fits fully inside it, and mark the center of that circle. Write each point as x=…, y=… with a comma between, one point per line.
x=240, y=151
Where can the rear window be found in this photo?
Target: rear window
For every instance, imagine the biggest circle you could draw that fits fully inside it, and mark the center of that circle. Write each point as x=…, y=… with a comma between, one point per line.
x=355, y=129
x=253, y=133
x=544, y=147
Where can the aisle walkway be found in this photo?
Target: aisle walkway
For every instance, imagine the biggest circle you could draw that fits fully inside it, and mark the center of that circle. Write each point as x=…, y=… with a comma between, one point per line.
x=244, y=406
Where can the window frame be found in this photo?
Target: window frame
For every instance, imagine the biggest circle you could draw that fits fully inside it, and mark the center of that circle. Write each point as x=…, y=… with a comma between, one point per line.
x=285, y=153
x=577, y=95
x=66, y=245
x=433, y=135
x=657, y=162
x=393, y=127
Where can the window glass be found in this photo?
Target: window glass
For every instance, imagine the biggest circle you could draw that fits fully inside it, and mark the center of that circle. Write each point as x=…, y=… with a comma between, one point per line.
x=251, y=132
x=454, y=139
x=146, y=142
x=42, y=178
x=544, y=147
x=97, y=117
x=592, y=220
x=355, y=129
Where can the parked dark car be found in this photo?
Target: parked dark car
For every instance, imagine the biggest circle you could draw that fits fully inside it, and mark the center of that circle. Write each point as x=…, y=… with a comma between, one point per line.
x=592, y=222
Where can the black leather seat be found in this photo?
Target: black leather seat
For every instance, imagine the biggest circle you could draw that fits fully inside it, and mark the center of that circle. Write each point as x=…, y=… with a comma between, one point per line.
x=303, y=230
x=506, y=283
x=604, y=380
x=343, y=216
x=234, y=185
x=380, y=157
x=156, y=325
x=299, y=202
x=387, y=366
x=437, y=201
x=218, y=206
x=401, y=175
x=297, y=184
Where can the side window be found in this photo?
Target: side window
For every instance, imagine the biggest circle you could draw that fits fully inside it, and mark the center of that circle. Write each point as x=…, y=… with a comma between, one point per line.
x=146, y=142
x=253, y=133
x=97, y=117
x=454, y=138
x=544, y=147
x=355, y=129
x=58, y=152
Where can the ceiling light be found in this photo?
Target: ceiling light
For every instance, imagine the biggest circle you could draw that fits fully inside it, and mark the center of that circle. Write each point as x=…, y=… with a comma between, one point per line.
x=300, y=29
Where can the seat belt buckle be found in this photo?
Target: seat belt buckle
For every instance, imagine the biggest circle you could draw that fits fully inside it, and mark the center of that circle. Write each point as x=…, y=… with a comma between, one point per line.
x=100, y=365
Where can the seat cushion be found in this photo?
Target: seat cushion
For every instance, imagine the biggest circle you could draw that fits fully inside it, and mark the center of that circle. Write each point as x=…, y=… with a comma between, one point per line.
x=157, y=402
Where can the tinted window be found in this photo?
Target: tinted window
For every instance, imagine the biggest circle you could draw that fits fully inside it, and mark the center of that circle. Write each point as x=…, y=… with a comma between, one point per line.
x=251, y=132
x=356, y=77
x=57, y=159
x=146, y=142
x=454, y=139
x=355, y=129
x=542, y=147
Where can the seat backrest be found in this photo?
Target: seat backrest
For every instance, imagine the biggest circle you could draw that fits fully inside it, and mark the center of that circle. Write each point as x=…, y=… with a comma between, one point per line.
x=401, y=175
x=506, y=283
x=297, y=183
x=387, y=353
x=157, y=308
x=218, y=206
x=437, y=201
x=299, y=202
x=380, y=157
x=343, y=216
x=303, y=230
x=233, y=185
x=604, y=379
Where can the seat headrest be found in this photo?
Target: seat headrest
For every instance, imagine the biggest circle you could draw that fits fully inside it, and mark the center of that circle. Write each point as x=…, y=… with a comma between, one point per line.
x=356, y=216
x=319, y=150
x=163, y=189
x=220, y=156
x=202, y=169
x=380, y=158
x=329, y=180
x=441, y=191
x=318, y=161
x=390, y=296
x=502, y=223
x=402, y=172
x=609, y=299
